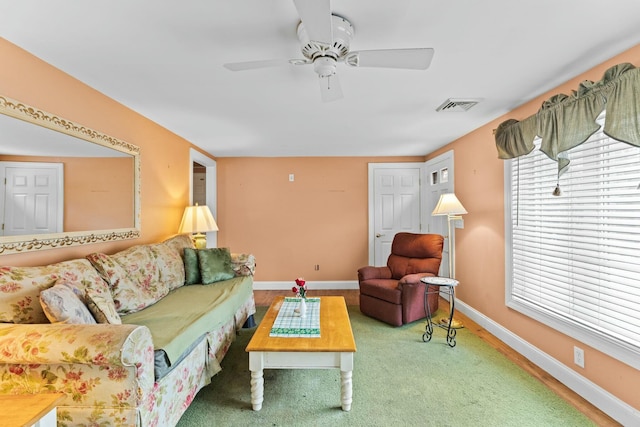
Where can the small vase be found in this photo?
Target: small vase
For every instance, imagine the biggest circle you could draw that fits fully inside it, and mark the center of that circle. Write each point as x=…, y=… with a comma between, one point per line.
x=302, y=307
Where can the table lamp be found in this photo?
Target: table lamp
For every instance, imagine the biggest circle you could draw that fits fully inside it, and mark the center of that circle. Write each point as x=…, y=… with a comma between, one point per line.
x=197, y=219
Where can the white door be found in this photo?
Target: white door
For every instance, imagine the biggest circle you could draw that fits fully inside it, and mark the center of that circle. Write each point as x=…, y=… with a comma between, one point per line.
x=33, y=200
x=394, y=197
x=439, y=179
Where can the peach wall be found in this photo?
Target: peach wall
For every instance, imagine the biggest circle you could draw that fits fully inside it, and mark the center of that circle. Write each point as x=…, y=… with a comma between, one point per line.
x=480, y=251
x=164, y=172
x=98, y=191
x=320, y=218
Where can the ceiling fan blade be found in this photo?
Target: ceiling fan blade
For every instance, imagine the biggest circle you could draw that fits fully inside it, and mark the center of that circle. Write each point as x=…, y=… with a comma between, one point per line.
x=252, y=65
x=330, y=88
x=412, y=59
x=316, y=17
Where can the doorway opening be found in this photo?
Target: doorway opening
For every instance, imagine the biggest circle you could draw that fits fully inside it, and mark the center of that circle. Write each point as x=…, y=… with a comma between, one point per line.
x=199, y=189
x=203, y=187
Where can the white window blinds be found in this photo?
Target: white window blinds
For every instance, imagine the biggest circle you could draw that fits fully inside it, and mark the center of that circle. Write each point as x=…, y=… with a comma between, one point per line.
x=575, y=259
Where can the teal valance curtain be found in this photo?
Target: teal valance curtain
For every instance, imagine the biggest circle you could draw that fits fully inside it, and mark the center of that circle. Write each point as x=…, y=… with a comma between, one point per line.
x=566, y=121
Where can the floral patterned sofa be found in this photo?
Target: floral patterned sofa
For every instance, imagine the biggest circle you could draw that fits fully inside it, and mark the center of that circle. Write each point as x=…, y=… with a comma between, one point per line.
x=128, y=338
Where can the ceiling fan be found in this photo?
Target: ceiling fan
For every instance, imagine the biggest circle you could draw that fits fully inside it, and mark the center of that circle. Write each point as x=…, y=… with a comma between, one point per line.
x=325, y=39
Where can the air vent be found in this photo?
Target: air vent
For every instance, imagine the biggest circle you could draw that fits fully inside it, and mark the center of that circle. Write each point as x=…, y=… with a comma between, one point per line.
x=457, y=104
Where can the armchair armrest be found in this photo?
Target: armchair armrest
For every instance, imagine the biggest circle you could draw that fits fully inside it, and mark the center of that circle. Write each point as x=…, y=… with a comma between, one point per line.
x=370, y=272
x=88, y=363
x=413, y=294
x=414, y=278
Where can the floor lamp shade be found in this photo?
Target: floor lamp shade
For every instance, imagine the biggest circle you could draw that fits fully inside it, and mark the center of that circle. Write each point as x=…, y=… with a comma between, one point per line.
x=198, y=219
x=449, y=205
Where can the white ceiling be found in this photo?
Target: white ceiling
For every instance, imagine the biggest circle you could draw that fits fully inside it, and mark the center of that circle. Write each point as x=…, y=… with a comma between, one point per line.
x=165, y=60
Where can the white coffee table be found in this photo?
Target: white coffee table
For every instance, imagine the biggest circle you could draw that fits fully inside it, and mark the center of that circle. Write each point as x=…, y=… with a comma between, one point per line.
x=334, y=349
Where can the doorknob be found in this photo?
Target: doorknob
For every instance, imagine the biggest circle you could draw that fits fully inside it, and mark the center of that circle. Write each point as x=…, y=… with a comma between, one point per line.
x=379, y=235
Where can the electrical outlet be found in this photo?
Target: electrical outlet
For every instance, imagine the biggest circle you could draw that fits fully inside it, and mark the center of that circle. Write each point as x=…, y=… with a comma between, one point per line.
x=292, y=177
x=578, y=356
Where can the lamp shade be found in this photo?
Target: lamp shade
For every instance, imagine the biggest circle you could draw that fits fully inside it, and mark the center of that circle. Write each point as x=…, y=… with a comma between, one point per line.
x=197, y=219
x=449, y=205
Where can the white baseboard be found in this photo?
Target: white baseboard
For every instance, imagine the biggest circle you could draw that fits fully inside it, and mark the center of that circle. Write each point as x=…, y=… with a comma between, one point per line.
x=596, y=395
x=321, y=285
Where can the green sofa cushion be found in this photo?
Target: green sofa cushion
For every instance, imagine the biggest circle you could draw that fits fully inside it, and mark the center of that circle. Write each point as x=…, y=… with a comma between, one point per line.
x=191, y=267
x=215, y=265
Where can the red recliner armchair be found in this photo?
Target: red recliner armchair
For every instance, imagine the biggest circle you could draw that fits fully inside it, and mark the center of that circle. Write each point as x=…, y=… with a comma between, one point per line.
x=394, y=293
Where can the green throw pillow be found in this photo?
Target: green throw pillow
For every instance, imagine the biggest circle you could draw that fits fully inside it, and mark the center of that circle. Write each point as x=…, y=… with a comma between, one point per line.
x=191, y=267
x=215, y=265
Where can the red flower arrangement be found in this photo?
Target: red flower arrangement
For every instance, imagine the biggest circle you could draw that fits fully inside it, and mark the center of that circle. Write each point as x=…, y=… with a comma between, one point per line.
x=300, y=289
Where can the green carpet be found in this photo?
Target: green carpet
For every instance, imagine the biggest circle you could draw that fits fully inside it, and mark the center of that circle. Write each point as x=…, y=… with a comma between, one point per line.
x=398, y=380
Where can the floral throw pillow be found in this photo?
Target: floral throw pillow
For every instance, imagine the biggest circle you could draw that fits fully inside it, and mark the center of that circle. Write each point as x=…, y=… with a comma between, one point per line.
x=100, y=303
x=243, y=264
x=133, y=277
x=179, y=242
x=170, y=265
x=63, y=303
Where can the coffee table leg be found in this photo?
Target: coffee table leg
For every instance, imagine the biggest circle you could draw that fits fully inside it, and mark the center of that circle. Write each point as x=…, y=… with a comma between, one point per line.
x=257, y=389
x=346, y=372
x=347, y=387
x=256, y=365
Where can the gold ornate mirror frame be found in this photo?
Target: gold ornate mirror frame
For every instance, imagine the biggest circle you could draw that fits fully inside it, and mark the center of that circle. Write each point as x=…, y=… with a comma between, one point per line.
x=25, y=243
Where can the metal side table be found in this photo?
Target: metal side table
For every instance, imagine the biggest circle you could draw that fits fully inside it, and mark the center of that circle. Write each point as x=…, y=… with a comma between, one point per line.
x=449, y=287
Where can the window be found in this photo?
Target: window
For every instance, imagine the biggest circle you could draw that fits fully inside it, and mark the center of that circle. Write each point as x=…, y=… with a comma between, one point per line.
x=573, y=261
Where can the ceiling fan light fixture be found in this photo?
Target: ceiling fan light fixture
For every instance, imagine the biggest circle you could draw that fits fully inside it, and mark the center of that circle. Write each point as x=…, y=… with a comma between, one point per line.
x=324, y=66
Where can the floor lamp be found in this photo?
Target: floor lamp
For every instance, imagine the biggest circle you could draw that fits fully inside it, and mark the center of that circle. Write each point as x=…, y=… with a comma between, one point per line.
x=450, y=206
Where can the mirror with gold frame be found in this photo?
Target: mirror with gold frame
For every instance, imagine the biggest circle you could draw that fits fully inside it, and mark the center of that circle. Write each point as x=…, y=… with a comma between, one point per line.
x=91, y=190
